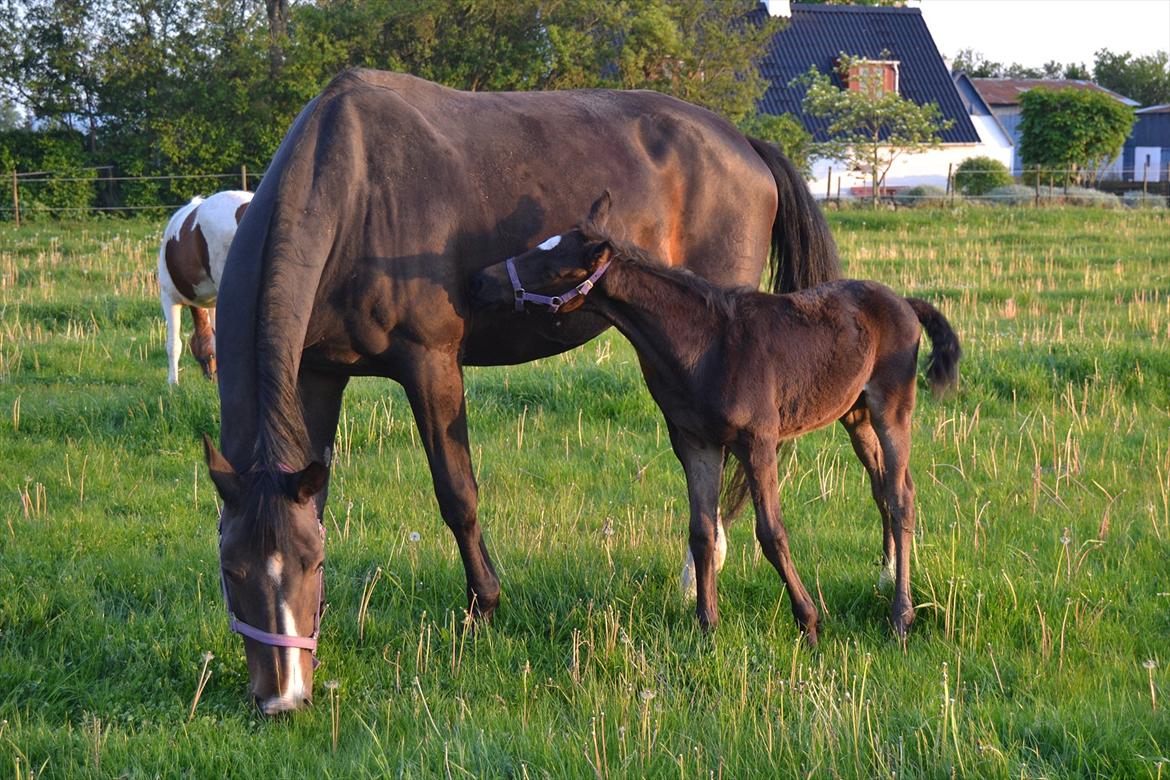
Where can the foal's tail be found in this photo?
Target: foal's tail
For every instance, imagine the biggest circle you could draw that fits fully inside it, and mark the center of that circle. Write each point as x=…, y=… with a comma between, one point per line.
x=942, y=368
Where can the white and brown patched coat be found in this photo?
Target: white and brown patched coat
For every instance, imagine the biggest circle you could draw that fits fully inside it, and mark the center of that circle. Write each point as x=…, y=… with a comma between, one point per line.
x=190, y=264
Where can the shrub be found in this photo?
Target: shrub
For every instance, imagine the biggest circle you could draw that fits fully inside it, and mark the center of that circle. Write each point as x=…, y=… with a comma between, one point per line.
x=1080, y=196
x=980, y=175
x=1011, y=195
x=1136, y=199
x=921, y=195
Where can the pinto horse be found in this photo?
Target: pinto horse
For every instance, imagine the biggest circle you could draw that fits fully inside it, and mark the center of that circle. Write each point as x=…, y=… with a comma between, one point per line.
x=741, y=371
x=190, y=266
x=387, y=194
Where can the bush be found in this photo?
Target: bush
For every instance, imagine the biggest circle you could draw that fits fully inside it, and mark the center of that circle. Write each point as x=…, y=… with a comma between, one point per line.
x=1080, y=196
x=922, y=195
x=69, y=189
x=980, y=175
x=1136, y=199
x=1010, y=195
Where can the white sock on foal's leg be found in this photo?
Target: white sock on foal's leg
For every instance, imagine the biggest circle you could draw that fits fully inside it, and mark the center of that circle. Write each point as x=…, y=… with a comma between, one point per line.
x=689, y=587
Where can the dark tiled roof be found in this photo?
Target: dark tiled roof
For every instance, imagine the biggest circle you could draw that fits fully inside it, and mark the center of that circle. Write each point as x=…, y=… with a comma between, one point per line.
x=818, y=34
x=1006, y=92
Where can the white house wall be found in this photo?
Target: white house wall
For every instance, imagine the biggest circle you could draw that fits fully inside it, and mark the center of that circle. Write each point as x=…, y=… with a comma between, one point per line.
x=909, y=170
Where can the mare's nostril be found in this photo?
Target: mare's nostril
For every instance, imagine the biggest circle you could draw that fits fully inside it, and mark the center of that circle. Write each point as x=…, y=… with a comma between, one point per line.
x=476, y=285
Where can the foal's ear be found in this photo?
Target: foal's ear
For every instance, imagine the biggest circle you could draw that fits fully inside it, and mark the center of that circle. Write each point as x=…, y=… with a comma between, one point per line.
x=599, y=211
x=307, y=483
x=599, y=254
x=223, y=476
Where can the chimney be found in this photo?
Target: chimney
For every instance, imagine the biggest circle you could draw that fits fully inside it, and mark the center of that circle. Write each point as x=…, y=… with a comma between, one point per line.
x=781, y=8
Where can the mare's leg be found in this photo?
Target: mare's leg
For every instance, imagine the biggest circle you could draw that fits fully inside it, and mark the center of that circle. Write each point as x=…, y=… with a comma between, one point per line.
x=869, y=451
x=890, y=416
x=434, y=385
x=320, y=395
x=172, y=312
x=703, y=465
x=203, y=340
x=760, y=465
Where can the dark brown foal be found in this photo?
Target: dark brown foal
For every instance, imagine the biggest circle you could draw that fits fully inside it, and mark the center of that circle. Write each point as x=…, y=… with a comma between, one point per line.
x=742, y=371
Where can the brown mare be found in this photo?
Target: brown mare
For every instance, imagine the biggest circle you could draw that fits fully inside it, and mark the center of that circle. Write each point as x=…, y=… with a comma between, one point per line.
x=190, y=265
x=385, y=197
x=741, y=371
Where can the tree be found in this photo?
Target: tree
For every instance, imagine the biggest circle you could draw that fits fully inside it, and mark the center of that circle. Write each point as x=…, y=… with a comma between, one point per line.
x=869, y=128
x=1066, y=132
x=48, y=54
x=975, y=65
x=1145, y=79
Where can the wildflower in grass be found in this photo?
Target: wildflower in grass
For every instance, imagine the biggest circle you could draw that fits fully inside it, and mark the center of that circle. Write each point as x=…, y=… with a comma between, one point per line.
x=414, y=536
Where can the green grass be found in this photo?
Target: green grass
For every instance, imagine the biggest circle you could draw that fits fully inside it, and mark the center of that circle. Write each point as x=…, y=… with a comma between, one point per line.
x=1040, y=568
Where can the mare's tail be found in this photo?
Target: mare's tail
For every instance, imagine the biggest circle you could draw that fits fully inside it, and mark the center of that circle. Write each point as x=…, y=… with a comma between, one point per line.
x=803, y=255
x=942, y=368
x=803, y=251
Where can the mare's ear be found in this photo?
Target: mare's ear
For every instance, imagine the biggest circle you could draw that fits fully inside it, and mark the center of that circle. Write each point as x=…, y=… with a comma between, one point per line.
x=599, y=211
x=307, y=483
x=227, y=481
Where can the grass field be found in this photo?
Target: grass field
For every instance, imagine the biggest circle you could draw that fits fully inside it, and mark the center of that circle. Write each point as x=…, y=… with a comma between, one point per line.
x=1041, y=568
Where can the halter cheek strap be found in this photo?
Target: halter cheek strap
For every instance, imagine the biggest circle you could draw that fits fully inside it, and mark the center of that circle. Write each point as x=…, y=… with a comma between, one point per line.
x=552, y=302
x=278, y=640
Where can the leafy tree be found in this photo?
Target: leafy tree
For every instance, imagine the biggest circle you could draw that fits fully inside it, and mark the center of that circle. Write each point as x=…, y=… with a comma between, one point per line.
x=1145, y=79
x=975, y=65
x=868, y=128
x=1074, y=130
x=48, y=52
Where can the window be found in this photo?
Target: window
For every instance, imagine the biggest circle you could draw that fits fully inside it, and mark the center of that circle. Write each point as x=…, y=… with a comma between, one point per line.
x=875, y=77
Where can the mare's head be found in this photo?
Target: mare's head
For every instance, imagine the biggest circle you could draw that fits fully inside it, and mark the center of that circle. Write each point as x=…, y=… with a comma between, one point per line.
x=272, y=559
x=556, y=274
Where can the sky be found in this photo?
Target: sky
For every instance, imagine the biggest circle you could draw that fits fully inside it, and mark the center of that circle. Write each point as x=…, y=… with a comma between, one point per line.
x=1032, y=32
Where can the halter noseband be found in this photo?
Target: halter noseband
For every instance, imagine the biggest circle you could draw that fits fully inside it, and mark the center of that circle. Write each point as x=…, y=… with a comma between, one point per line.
x=552, y=302
x=278, y=640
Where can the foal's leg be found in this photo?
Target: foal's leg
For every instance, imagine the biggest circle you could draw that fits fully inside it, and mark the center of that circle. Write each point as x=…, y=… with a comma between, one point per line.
x=869, y=451
x=703, y=465
x=171, y=312
x=891, y=421
x=773, y=536
x=434, y=385
x=203, y=340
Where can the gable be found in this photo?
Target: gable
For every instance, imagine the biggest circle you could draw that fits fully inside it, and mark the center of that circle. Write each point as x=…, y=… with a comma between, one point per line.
x=818, y=34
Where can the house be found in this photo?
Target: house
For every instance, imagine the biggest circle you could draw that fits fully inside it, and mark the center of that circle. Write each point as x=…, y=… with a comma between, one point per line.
x=1003, y=96
x=896, y=42
x=1146, y=154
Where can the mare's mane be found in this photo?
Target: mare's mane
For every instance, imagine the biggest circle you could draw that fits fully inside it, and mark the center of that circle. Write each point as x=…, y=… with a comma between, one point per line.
x=718, y=301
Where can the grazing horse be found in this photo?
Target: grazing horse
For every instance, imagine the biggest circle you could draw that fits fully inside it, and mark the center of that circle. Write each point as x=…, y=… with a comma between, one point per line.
x=387, y=194
x=740, y=371
x=190, y=265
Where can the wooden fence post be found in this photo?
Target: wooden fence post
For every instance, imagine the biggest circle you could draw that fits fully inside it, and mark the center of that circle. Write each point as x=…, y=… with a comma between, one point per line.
x=15, y=198
x=829, y=184
x=244, y=178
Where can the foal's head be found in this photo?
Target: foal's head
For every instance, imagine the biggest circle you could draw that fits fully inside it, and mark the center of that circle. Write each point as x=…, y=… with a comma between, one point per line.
x=272, y=557
x=553, y=270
